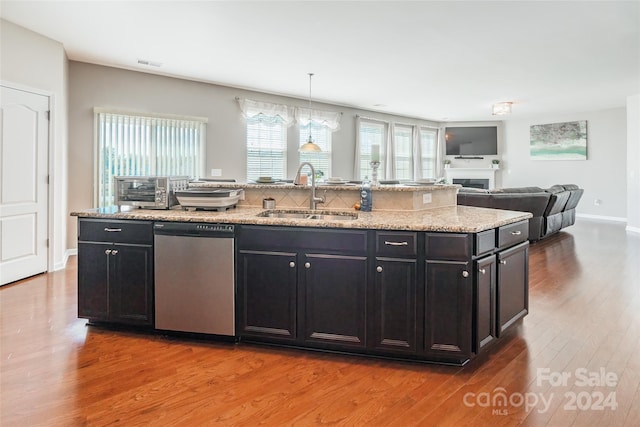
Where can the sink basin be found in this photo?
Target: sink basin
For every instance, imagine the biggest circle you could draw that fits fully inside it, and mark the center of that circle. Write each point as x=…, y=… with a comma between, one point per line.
x=332, y=216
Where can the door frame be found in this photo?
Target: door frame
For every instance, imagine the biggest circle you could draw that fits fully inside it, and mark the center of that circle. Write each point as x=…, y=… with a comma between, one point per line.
x=50, y=164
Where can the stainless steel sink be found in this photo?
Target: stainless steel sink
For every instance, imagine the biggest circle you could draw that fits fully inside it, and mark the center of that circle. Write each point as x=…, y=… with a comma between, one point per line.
x=332, y=216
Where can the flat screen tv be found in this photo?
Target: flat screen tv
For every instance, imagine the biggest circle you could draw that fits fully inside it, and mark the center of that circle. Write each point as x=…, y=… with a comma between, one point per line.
x=471, y=141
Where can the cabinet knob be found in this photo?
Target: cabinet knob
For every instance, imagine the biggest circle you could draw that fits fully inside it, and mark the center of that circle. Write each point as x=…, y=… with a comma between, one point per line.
x=379, y=269
x=465, y=274
x=114, y=252
x=307, y=265
x=108, y=251
x=292, y=264
x=503, y=261
x=482, y=270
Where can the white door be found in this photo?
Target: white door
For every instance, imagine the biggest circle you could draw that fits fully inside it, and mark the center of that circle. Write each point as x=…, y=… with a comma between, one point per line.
x=24, y=141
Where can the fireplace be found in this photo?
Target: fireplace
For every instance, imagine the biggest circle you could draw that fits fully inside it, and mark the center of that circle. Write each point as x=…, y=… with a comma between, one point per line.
x=473, y=183
x=472, y=177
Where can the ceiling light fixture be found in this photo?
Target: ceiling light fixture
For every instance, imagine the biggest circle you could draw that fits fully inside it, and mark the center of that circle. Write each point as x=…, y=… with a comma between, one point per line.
x=502, y=108
x=309, y=146
x=149, y=63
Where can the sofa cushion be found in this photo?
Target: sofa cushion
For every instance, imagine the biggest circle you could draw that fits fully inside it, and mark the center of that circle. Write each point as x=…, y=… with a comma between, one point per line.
x=519, y=190
x=555, y=189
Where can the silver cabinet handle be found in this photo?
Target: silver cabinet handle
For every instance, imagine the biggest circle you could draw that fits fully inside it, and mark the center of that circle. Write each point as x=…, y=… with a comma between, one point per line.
x=307, y=265
x=503, y=262
x=112, y=230
x=114, y=252
x=396, y=243
x=516, y=233
x=482, y=270
x=292, y=264
x=465, y=274
x=107, y=252
x=379, y=269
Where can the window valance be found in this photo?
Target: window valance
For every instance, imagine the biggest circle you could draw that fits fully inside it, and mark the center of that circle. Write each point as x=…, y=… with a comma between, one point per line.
x=329, y=119
x=251, y=109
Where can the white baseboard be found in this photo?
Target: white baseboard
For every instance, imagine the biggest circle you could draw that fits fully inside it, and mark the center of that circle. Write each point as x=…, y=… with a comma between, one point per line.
x=601, y=218
x=635, y=230
x=61, y=265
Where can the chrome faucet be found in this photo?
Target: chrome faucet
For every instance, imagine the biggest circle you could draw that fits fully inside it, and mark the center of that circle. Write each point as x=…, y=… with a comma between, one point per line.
x=313, y=201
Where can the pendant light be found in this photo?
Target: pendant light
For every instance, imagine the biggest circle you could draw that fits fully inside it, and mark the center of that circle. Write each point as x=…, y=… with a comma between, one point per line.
x=309, y=146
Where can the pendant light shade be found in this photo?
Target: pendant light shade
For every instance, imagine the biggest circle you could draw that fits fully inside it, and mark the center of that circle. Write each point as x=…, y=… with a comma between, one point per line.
x=309, y=146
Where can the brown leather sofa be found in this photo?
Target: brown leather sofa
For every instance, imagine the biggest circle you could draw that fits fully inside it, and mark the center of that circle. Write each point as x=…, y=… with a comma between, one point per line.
x=552, y=208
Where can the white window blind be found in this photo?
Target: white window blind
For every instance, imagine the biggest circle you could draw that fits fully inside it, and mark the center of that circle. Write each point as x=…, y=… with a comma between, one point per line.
x=266, y=147
x=130, y=144
x=428, y=146
x=371, y=133
x=321, y=161
x=403, y=147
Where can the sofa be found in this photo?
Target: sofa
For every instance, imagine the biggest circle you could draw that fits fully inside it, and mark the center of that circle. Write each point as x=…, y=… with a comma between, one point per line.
x=553, y=208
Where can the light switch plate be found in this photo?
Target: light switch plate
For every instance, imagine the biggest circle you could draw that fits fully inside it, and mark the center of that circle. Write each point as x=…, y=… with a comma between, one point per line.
x=426, y=198
x=216, y=172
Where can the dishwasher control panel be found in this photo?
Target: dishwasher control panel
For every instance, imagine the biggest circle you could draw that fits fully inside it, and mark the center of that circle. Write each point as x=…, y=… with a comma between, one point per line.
x=194, y=229
x=214, y=227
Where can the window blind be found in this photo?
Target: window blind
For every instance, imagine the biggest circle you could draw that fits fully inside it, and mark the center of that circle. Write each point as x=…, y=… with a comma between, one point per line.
x=141, y=145
x=266, y=147
x=371, y=133
x=403, y=151
x=321, y=161
x=428, y=140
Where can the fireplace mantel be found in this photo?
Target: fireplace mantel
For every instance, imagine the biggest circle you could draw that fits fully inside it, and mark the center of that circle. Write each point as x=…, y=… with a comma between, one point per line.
x=472, y=173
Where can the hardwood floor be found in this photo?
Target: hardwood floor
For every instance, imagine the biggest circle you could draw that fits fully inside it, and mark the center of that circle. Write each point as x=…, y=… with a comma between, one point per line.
x=584, y=321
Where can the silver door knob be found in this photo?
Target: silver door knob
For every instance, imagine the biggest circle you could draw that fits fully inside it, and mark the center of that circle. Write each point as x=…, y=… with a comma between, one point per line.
x=307, y=265
x=108, y=251
x=292, y=264
x=465, y=274
x=379, y=269
x=114, y=252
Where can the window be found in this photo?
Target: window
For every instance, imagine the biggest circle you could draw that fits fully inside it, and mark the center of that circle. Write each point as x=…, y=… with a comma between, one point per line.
x=131, y=144
x=266, y=147
x=428, y=140
x=321, y=161
x=371, y=133
x=403, y=135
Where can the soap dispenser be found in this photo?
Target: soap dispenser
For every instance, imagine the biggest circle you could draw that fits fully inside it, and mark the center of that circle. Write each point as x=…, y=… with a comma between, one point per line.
x=366, y=196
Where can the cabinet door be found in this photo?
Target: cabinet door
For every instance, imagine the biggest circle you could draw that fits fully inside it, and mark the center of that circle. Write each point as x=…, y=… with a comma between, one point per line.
x=513, y=285
x=267, y=294
x=93, y=283
x=131, y=284
x=395, y=305
x=485, y=302
x=334, y=289
x=448, y=308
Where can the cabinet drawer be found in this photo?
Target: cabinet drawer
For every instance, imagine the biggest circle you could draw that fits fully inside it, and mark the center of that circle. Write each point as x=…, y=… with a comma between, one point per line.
x=135, y=232
x=396, y=244
x=448, y=246
x=485, y=242
x=511, y=234
x=271, y=238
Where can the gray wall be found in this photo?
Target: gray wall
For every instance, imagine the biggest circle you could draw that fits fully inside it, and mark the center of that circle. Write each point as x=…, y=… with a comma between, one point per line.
x=98, y=86
x=602, y=175
x=33, y=62
x=633, y=163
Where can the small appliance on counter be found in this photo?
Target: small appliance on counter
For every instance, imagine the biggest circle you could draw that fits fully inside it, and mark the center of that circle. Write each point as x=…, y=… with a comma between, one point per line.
x=219, y=199
x=148, y=192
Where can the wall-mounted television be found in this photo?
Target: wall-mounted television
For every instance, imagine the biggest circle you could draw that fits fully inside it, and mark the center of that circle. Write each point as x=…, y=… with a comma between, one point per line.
x=471, y=141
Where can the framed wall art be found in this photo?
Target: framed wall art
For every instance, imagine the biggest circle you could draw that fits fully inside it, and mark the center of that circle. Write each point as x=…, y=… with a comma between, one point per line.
x=559, y=141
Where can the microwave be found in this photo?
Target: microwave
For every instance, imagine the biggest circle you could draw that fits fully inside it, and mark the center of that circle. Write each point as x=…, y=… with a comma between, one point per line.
x=149, y=192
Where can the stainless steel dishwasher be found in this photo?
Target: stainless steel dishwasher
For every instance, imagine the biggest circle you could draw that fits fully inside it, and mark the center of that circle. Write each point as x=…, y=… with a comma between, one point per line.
x=194, y=278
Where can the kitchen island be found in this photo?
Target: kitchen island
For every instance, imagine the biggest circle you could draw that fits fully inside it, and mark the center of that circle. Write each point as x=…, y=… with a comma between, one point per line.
x=436, y=285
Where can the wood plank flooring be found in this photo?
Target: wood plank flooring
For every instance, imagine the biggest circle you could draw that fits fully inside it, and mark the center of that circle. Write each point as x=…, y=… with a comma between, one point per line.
x=584, y=316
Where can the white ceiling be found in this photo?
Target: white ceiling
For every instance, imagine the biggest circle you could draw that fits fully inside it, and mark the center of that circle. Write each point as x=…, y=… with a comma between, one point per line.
x=435, y=60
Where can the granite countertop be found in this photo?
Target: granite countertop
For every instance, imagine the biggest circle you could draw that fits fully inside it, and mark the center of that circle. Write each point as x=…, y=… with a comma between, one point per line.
x=458, y=219
x=348, y=186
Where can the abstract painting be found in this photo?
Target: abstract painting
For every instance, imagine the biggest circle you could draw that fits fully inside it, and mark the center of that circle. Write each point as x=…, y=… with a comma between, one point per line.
x=559, y=141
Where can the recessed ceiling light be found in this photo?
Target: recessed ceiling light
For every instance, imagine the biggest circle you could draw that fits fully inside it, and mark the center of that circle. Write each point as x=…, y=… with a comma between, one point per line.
x=502, y=108
x=149, y=63
x=380, y=105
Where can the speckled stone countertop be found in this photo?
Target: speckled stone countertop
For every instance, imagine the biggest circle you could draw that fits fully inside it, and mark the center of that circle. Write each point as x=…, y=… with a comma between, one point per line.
x=456, y=219
x=348, y=186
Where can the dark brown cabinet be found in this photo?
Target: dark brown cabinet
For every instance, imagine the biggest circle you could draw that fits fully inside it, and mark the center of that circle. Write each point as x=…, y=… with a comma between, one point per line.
x=485, y=302
x=512, y=298
x=115, y=271
x=334, y=292
x=267, y=294
x=395, y=309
